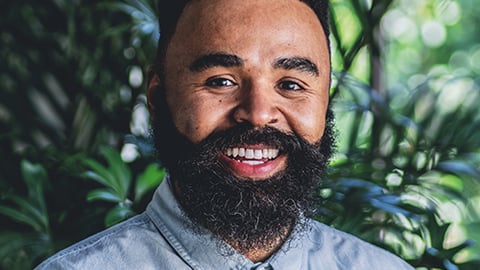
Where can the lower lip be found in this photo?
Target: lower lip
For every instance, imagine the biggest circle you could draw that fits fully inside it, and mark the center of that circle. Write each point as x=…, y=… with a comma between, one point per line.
x=257, y=171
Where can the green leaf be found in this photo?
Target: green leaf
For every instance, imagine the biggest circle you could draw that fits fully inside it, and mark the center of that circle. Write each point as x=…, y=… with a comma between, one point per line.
x=151, y=177
x=97, y=178
x=23, y=249
x=33, y=210
x=103, y=195
x=100, y=173
x=118, y=214
x=104, y=176
x=34, y=176
x=20, y=217
x=459, y=168
x=120, y=171
x=386, y=204
x=452, y=181
x=451, y=252
x=144, y=16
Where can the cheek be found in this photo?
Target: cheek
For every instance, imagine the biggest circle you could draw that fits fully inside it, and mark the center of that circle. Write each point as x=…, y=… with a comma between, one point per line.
x=186, y=118
x=195, y=118
x=317, y=127
x=314, y=128
x=309, y=122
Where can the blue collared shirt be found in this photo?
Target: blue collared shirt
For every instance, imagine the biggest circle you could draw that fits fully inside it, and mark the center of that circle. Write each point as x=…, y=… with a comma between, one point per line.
x=162, y=238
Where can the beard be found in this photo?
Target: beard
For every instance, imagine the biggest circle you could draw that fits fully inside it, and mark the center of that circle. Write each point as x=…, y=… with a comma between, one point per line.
x=247, y=214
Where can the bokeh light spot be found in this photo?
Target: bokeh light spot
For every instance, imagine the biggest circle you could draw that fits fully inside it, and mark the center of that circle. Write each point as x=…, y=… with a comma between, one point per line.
x=434, y=33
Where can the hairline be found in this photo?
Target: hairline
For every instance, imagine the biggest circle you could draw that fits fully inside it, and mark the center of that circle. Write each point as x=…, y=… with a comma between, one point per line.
x=170, y=19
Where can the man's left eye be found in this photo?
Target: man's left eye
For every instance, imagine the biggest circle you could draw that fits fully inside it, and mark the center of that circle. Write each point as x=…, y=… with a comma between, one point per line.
x=289, y=85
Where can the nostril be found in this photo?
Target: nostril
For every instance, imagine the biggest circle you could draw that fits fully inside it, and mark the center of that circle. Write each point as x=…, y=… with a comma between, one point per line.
x=257, y=106
x=255, y=118
x=273, y=121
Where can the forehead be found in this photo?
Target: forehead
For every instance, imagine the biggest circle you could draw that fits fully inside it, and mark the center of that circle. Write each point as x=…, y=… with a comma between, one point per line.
x=227, y=15
x=233, y=25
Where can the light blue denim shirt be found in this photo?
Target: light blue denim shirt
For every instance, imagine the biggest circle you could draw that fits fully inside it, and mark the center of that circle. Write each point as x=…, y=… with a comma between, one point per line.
x=162, y=238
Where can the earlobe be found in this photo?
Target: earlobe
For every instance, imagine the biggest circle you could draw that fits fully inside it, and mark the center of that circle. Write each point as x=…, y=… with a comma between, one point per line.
x=153, y=87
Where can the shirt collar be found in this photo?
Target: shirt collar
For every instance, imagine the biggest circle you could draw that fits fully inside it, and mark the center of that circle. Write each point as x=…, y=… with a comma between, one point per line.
x=200, y=248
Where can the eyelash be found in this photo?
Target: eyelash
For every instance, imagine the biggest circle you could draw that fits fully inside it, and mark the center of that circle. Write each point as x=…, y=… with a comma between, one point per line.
x=219, y=82
x=283, y=83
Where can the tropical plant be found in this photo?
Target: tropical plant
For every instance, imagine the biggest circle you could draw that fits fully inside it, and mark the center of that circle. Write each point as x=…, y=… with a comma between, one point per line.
x=71, y=83
x=30, y=212
x=406, y=152
x=399, y=168
x=76, y=154
x=117, y=183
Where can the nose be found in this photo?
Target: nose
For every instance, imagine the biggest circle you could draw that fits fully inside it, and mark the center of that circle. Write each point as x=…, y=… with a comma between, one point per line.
x=257, y=106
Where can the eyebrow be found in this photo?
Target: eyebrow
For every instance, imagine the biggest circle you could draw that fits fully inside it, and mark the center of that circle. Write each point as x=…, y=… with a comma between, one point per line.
x=215, y=60
x=220, y=59
x=297, y=63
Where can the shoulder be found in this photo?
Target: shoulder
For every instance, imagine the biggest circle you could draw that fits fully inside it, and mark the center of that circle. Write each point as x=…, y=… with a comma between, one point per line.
x=350, y=252
x=137, y=234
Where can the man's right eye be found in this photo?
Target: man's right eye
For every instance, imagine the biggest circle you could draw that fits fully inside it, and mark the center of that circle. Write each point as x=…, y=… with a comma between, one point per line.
x=219, y=82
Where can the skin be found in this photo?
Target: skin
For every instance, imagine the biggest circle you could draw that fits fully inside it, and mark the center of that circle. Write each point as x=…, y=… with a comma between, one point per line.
x=223, y=68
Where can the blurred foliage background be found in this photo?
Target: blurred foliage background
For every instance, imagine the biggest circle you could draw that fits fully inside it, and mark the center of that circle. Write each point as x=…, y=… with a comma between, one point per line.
x=74, y=131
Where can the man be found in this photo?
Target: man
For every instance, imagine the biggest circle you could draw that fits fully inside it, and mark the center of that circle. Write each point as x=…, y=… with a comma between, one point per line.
x=240, y=108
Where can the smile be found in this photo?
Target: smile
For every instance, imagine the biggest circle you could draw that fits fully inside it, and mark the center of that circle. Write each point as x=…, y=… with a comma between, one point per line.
x=252, y=156
x=254, y=162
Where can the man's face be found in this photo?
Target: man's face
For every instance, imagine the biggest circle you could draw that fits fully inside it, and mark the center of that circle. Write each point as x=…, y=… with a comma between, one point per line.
x=265, y=63
x=241, y=117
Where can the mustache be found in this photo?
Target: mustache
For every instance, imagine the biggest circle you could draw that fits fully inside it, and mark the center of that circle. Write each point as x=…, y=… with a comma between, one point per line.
x=246, y=134
x=204, y=154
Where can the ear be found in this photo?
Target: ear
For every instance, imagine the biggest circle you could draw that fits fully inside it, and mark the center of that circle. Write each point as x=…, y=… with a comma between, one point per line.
x=153, y=84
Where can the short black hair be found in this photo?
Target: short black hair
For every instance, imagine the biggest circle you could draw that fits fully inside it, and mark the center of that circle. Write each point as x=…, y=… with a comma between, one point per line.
x=169, y=12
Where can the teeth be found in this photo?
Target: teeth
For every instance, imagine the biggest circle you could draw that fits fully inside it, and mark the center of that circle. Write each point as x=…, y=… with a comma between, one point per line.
x=249, y=153
x=274, y=153
x=253, y=162
x=253, y=155
x=258, y=154
x=241, y=152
